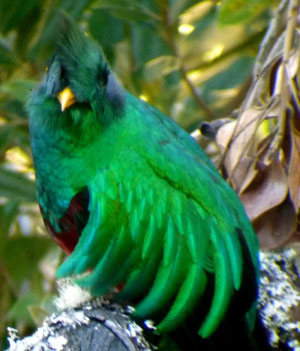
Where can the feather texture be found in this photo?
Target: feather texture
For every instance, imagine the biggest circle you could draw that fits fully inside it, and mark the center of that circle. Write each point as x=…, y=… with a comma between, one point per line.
x=160, y=219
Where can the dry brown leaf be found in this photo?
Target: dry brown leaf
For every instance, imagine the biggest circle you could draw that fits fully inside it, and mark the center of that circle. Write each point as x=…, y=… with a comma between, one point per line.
x=275, y=227
x=224, y=134
x=268, y=191
x=239, y=165
x=244, y=129
x=248, y=165
x=294, y=170
x=295, y=238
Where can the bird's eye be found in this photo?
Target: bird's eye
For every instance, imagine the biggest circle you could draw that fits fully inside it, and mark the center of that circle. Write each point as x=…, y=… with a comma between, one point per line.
x=63, y=77
x=103, y=76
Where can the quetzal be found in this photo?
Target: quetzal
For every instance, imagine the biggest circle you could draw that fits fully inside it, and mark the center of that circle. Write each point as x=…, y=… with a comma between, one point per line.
x=135, y=201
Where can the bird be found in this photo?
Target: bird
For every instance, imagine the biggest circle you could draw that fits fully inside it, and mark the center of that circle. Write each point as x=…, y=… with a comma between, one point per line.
x=135, y=202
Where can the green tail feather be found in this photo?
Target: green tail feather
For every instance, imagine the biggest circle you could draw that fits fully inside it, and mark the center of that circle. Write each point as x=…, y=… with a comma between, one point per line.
x=166, y=283
x=140, y=280
x=235, y=253
x=189, y=294
x=118, y=252
x=223, y=286
x=170, y=244
x=152, y=238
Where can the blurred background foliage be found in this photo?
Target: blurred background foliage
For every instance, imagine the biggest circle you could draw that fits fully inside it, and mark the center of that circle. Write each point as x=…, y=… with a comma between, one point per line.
x=191, y=59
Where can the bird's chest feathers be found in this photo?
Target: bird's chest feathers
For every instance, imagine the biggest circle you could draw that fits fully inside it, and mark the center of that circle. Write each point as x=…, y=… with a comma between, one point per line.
x=60, y=175
x=64, y=168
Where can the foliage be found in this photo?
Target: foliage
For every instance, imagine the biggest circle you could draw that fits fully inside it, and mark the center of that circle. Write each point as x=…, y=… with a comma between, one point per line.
x=191, y=59
x=262, y=157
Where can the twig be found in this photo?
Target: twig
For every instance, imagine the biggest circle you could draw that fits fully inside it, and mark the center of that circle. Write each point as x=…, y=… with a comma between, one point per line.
x=169, y=27
x=281, y=87
x=275, y=28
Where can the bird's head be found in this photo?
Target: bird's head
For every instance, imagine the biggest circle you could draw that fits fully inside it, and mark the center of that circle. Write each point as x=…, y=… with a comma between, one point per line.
x=78, y=82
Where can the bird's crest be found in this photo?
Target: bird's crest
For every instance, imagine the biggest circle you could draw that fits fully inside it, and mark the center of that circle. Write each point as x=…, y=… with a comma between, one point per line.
x=81, y=57
x=85, y=68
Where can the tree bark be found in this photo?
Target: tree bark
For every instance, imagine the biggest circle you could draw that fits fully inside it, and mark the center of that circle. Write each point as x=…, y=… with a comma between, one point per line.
x=93, y=326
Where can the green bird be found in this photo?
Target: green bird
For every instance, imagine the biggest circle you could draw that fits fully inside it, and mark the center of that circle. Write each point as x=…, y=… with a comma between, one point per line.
x=135, y=201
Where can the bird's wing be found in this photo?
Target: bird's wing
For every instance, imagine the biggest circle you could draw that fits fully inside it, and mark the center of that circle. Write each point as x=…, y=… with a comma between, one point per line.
x=210, y=220
x=162, y=224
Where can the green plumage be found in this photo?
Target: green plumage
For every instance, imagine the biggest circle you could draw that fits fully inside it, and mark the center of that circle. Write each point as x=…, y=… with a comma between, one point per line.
x=160, y=217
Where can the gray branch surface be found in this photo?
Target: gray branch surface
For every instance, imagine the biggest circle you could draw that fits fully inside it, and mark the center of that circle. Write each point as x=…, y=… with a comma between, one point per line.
x=279, y=297
x=98, y=324
x=93, y=326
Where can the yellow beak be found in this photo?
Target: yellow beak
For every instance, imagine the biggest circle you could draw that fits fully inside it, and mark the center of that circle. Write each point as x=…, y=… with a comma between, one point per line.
x=66, y=98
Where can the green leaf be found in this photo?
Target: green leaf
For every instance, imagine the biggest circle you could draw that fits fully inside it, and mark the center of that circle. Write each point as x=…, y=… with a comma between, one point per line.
x=12, y=135
x=231, y=76
x=161, y=66
x=13, y=12
x=19, y=89
x=38, y=314
x=109, y=24
x=156, y=45
x=7, y=57
x=46, y=34
x=178, y=8
x=19, y=311
x=8, y=213
x=28, y=250
x=129, y=10
x=27, y=30
x=5, y=134
x=16, y=186
x=241, y=11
